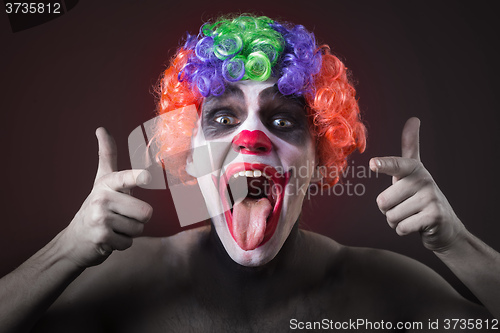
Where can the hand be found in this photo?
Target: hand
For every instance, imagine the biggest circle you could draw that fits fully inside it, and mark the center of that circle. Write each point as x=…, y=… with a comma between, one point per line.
x=110, y=217
x=414, y=201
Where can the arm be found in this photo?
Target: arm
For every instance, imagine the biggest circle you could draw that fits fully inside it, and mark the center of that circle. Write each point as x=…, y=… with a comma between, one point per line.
x=29, y=290
x=478, y=266
x=415, y=203
x=108, y=220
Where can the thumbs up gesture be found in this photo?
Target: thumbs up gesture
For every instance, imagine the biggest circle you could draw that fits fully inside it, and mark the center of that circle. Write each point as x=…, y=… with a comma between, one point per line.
x=110, y=217
x=414, y=202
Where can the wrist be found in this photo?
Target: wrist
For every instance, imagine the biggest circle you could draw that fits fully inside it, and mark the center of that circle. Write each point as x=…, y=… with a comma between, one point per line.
x=459, y=243
x=457, y=240
x=64, y=251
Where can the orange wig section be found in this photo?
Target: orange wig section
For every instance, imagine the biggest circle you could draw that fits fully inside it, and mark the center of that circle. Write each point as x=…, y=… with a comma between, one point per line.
x=173, y=130
x=332, y=108
x=335, y=117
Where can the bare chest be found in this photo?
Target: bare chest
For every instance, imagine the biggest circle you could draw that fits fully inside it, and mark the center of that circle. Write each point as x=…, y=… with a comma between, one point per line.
x=187, y=311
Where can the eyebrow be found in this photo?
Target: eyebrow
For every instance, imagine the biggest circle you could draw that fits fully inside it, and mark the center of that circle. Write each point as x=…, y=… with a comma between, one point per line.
x=229, y=92
x=273, y=93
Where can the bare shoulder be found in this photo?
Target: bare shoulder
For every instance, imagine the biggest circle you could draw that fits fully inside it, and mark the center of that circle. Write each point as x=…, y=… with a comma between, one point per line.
x=379, y=278
x=381, y=266
x=149, y=261
x=123, y=280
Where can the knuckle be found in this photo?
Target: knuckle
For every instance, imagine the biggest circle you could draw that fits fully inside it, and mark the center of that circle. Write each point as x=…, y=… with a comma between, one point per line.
x=139, y=229
x=396, y=162
x=435, y=212
x=124, y=244
x=98, y=215
x=99, y=199
x=402, y=230
x=125, y=179
x=121, y=179
x=425, y=181
x=427, y=199
x=101, y=236
x=146, y=212
x=392, y=224
x=391, y=217
x=417, y=165
x=381, y=201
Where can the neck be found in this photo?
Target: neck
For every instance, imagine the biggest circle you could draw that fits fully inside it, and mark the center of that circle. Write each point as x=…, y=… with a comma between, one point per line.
x=285, y=258
x=216, y=274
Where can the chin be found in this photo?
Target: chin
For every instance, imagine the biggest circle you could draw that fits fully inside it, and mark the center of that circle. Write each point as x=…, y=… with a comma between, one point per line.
x=255, y=257
x=270, y=247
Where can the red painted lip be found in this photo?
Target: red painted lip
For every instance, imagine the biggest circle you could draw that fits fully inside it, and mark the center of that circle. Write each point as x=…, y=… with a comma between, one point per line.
x=279, y=181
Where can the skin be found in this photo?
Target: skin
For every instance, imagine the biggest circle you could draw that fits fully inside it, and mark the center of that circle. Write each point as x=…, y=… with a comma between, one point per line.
x=251, y=105
x=191, y=282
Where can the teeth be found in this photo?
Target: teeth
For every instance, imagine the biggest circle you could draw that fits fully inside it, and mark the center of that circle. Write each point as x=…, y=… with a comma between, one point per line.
x=251, y=173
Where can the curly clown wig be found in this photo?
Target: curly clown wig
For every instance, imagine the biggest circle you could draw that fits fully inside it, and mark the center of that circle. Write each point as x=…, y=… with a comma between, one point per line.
x=257, y=48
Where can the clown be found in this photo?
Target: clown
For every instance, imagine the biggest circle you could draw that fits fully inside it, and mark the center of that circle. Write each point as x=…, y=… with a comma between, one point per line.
x=278, y=100
x=278, y=114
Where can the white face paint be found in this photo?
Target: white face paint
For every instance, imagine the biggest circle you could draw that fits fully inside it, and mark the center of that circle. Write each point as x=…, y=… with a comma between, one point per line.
x=260, y=140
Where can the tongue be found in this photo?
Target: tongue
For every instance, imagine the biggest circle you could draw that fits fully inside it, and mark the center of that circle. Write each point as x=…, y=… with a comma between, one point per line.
x=249, y=222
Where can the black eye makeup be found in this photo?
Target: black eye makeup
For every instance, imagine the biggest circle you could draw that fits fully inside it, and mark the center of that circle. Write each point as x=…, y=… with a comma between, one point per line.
x=284, y=116
x=221, y=115
x=220, y=118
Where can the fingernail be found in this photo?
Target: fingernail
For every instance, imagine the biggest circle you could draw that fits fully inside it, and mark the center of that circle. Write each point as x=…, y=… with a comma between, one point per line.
x=375, y=164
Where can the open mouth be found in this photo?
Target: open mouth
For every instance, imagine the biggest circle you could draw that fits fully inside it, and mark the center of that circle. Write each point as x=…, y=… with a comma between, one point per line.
x=252, y=197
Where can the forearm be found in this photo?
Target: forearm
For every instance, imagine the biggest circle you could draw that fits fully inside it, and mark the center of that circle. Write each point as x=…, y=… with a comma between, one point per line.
x=478, y=266
x=27, y=292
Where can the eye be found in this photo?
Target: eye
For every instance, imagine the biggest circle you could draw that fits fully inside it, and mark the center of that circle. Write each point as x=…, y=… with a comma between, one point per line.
x=282, y=123
x=227, y=120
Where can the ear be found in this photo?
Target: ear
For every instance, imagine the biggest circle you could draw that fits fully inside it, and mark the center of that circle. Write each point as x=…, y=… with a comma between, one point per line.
x=195, y=143
x=316, y=176
x=190, y=165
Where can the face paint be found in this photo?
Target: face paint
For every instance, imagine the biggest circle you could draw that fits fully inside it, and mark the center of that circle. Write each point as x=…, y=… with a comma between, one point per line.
x=252, y=142
x=274, y=164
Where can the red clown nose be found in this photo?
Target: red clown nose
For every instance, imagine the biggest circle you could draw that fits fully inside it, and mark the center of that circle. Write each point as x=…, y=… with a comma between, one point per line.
x=252, y=142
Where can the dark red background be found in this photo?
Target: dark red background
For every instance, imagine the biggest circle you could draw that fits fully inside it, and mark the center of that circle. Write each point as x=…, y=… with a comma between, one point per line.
x=96, y=66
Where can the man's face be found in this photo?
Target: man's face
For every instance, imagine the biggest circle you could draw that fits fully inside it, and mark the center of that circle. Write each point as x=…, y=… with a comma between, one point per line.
x=264, y=155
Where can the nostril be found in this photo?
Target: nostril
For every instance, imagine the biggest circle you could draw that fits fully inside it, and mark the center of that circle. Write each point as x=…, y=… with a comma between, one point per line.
x=251, y=142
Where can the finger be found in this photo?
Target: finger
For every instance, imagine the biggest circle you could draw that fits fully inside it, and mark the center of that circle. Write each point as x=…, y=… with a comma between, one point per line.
x=404, y=210
x=394, y=166
x=409, y=139
x=127, y=179
x=131, y=207
x=119, y=242
x=411, y=224
x=126, y=226
x=396, y=194
x=107, y=153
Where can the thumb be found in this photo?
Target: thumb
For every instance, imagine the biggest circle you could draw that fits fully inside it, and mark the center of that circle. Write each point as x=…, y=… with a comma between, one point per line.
x=107, y=153
x=409, y=139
